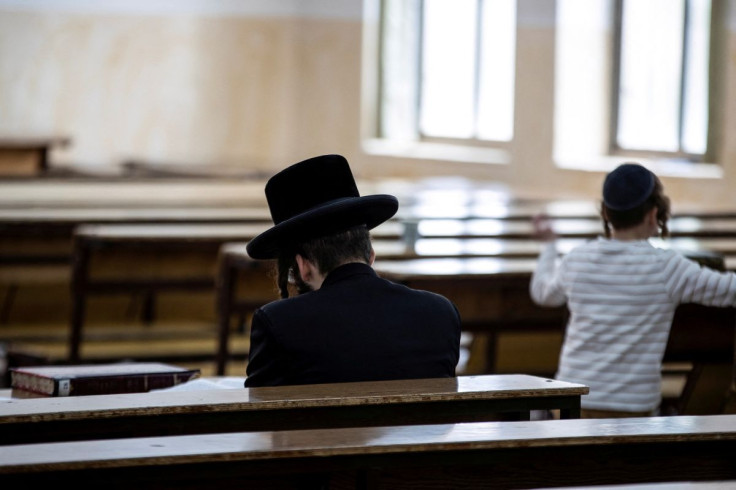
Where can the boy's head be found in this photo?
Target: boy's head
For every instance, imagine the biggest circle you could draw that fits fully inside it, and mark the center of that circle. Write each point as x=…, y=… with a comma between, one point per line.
x=630, y=192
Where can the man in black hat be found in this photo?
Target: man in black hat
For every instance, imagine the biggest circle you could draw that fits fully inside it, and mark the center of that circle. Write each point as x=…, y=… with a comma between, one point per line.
x=346, y=323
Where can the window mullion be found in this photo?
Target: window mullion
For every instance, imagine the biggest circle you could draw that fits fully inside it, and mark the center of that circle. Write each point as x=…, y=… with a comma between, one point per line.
x=683, y=76
x=420, y=78
x=477, y=71
x=618, y=9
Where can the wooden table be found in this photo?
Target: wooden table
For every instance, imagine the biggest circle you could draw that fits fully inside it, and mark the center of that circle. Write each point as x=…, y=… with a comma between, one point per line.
x=43, y=236
x=244, y=284
x=150, y=258
x=492, y=295
x=468, y=455
x=38, y=218
x=398, y=402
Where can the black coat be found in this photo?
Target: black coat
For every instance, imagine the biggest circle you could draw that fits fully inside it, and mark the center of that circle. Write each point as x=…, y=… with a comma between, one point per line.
x=356, y=327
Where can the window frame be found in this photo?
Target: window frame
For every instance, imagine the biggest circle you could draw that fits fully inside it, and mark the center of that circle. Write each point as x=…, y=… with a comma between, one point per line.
x=715, y=33
x=419, y=134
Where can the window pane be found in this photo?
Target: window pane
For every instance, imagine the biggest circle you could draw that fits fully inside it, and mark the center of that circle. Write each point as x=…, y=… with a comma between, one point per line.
x=695, y=123
x=399, y=69
x=649, y=92
x=581, y=84
x=496, y=93
x=448, y=73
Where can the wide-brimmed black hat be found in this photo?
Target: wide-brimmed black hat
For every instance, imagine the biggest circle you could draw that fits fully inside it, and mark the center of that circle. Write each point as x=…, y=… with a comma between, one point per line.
x=314, y=198
x=627, y=186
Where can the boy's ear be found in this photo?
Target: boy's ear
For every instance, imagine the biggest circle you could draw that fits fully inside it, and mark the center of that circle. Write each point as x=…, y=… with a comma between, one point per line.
x=653, y=215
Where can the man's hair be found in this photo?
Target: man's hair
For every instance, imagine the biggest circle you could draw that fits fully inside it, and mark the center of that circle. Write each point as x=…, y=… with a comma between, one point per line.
x=622, y=220
x=327, y=253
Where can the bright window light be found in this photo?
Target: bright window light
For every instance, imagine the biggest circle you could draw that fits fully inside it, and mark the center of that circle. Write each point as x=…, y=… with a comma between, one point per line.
x=448, y=62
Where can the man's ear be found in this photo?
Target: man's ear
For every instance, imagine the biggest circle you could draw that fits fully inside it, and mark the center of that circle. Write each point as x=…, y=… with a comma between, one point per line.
x=306, y=268
x=372, y=258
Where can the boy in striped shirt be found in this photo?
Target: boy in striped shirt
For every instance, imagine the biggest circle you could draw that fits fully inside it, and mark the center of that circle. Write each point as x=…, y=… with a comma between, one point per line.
x=622, y=293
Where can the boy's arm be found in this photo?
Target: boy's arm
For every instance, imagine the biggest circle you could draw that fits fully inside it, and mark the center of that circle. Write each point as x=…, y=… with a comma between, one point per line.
x=545, y=287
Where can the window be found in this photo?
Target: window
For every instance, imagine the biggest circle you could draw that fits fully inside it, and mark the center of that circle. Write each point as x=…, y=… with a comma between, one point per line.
x=661, y=81
x=447, y=70
x=638, y=78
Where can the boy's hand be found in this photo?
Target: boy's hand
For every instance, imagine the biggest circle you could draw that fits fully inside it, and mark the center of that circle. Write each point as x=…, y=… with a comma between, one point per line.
x=543, y=228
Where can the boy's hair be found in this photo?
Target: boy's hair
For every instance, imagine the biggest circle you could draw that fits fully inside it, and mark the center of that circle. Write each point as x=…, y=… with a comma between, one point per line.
x=621, y=220
x=327, y=253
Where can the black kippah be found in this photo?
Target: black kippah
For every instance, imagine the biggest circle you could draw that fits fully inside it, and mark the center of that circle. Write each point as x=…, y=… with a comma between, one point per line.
x=627, y=187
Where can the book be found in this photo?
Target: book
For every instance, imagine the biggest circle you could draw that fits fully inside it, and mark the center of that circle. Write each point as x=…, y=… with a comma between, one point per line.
x=96, y=379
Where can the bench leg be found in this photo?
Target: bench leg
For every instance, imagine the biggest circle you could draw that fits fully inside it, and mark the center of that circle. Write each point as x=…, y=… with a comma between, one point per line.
x=225, y=292
x=8, y=303
x=571, y=410
x=148, y=314
x=78, y=293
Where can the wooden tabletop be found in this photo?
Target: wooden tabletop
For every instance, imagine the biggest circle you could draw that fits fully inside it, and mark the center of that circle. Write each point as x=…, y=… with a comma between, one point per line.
x=194, y=232
x=485, y=387
x=32, y=142
x=467, y=258
x=113, y=215
x=91, y=193
x=397, y=441
x=567, y=228
x=397, y=402
x=455, y=268
x=418, y=199
x=464, y=248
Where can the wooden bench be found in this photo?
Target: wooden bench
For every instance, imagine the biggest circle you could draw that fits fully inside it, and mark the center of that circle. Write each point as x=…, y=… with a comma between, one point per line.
x=466, y=455
x=396, y=402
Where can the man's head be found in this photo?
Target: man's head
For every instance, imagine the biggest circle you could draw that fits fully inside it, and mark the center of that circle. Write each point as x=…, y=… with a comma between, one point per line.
x=307, y=263
x=631, y=193
x=319, y=215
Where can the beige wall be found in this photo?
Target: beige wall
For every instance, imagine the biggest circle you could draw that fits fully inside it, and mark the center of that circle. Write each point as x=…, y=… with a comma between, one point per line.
x=263, y=88
x=182, y=88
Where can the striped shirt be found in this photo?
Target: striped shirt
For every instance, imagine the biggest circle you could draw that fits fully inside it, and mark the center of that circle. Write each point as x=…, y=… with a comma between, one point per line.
x=622, y=297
